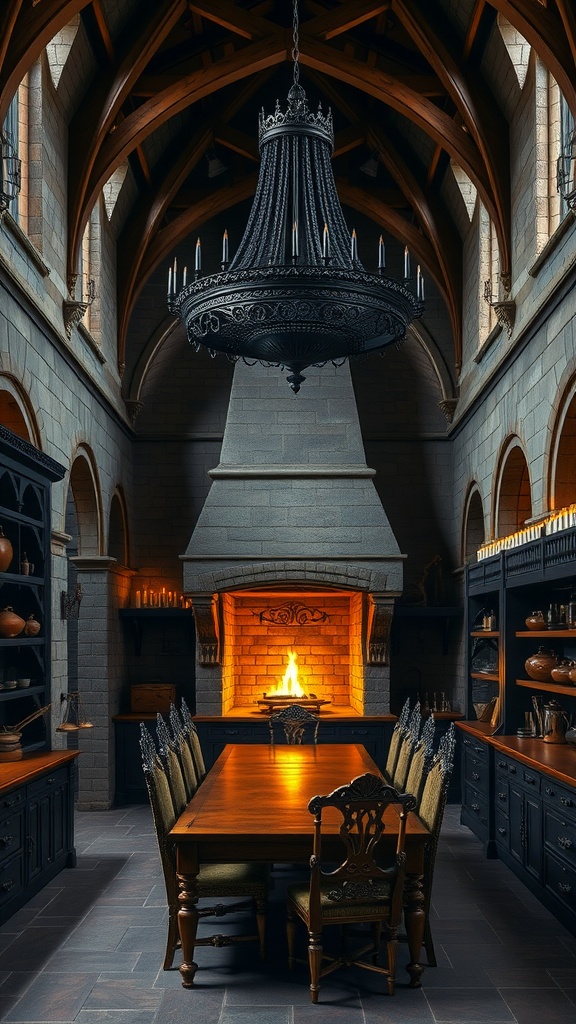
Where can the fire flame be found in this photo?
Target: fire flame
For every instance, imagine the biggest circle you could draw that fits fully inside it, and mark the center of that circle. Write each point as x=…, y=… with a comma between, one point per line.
x=289, y=687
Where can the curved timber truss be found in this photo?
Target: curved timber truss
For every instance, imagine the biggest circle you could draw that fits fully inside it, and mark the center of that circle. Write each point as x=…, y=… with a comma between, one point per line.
x=380, y=66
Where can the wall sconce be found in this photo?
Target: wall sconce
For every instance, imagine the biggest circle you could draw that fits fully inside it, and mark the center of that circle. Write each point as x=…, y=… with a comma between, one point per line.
x=71, y=601
x=72, y=716
x=10, y=171
x=566, y=171
x=215, y=165
x=370, y=166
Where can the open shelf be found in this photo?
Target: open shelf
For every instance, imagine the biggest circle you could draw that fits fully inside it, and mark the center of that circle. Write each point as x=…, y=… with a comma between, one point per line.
x=490, y=676
x=532, y=684
x=544, y=634
x=485, y=632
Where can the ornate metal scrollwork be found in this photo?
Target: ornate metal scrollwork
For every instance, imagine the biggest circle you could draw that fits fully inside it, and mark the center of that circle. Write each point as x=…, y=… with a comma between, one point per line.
x=293, y=613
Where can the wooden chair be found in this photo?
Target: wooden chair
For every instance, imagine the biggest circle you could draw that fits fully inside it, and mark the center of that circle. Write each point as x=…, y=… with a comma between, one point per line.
x=171, y=762
x=193, y=741
x=214, y=880
x=406, y=750
x=296, y=723
x=394, y=748
x=183, y=752
x=362, y=889
x=431, y=813
x=421, y=760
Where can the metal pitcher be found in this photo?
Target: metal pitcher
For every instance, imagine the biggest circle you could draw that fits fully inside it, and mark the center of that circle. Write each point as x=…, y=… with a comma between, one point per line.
x=555, y=721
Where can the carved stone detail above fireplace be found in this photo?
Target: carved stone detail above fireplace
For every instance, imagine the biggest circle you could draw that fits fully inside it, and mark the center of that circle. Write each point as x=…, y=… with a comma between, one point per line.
x=380, y=613
x=206, y=617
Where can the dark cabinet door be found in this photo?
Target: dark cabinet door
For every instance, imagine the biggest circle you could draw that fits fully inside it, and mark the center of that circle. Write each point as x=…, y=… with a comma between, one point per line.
x=533, y=836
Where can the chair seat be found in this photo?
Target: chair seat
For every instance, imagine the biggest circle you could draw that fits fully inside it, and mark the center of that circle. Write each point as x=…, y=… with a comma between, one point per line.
x=369, y=910
x=233, y=880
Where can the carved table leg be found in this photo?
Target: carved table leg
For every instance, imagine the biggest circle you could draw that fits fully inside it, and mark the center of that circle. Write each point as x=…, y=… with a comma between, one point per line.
x=186, y=873
x=415, y=918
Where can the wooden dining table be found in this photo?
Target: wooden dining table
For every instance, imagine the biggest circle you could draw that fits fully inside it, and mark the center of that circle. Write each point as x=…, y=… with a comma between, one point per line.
x=253, y=806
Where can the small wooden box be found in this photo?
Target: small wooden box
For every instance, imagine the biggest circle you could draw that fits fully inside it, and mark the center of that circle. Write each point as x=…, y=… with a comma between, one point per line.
x=148, y=698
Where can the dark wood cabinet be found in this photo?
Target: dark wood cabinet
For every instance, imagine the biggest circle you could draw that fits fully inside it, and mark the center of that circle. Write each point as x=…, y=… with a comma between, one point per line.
x=26, y=476
x=36, y=825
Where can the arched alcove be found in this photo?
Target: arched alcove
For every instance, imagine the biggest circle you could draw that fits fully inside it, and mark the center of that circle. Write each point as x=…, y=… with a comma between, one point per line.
x=117, y=529
x=16, y=412
x=473, y=526
x=563, y=465
x=87, y=501
x=513, y=505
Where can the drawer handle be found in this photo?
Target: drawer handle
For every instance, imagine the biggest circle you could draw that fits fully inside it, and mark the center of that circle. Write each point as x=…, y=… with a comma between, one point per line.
x=502, y=831
x=6, y=840
x=9, y=803
x=467, y=743
x=50, y=782
x=502, y=796
x=479, y=750
x=475, y=776
x=359, y=732
x=512, y=769
x=566, y=801
x=6, y=886
x=529, y=779
x=502, y=764
x=549, y=791
x=476, y=807
x=564, y=887
x=565, y=843
x=230, y=732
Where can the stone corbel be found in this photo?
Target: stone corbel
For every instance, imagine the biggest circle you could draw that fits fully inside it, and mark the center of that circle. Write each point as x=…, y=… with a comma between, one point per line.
x=205, y=610
x=378, y=624
x=505, y=314
x=448, y=406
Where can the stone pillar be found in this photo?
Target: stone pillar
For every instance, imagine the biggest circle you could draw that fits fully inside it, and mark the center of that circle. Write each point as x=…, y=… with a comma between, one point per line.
x=105, y=587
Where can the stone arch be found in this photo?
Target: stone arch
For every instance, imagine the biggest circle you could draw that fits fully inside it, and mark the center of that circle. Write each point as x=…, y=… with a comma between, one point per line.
x=562, y=459
x=87, y=495
x=512, y=490
x=16, y=410
x=118, y=546
x=473, y=534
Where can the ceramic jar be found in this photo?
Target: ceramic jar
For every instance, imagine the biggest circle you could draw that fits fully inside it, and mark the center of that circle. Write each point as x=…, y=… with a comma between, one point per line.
x=572, y=673
x=6, y=551
x=561, y=671
x=536, y=621
x=31, y=627
x=539, y=666
x=10, y=624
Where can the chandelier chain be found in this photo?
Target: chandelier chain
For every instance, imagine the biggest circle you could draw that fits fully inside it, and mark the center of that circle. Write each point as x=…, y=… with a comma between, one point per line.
x=295, y=40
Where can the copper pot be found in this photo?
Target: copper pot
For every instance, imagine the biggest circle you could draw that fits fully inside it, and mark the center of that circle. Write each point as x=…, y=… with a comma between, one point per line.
x=539, y=666
x=6, y=551
x=31, y=627
x=572, y=673
x=536, y=621
x=10, y=624
x=561, y=671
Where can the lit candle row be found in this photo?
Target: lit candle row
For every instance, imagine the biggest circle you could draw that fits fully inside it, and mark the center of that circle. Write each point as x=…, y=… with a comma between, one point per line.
x=148, y=598
x=563, y=519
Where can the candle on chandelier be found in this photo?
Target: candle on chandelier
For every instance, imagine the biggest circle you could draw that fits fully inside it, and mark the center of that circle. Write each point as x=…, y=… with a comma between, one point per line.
x=169, y=282
x=354, y=245
x=406, y=263
x=295, y=239
x=418, y=281
x=325, y=243
x=381, y=254
x=184, y=277
x=198, y=257
x=225, y=248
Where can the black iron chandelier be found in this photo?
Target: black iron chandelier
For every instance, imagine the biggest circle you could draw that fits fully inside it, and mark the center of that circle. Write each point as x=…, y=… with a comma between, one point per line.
x=295, y=294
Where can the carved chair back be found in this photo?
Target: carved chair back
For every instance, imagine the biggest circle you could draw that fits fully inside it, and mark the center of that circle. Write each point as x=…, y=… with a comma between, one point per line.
x=406, y=750
x=169, y=758
x=397, y=734
x=193, y=741
x=294, y=723
x=184, y=753
x=421, y=760
x=362, y=876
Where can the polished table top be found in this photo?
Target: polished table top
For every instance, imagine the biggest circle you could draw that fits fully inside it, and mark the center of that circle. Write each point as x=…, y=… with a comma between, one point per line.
x=257, y=790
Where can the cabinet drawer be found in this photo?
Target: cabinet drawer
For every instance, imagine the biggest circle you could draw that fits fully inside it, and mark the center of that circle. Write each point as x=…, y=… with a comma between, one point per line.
x=11, y=878
x=48, y=782
x=12, y=801
x=476, y=773
x=502, y=828
x=507, y=767
x=476, y=804
x=560, y=835
x=476, y=748
x=501, y=794
x=11, y=835
x=560, y=797
x=561, y=880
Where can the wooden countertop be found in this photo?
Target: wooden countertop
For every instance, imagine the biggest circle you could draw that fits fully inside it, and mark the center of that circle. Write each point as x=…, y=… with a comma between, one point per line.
x=18, y=773
x=558, y=760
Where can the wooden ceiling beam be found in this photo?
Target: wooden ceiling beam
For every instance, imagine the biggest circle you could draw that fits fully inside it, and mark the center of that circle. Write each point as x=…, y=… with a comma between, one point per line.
x=342, y=19
x=349, y=139
x=95, y=117
x=482, y=118
x=233, y=18
x=567, y=13
x=8, y=17
x=30, y=34
x=239, y=142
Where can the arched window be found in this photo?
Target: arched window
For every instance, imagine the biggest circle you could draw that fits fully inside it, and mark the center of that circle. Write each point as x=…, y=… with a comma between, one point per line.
x=563, y=465
x=473, y=526
x=513, y=492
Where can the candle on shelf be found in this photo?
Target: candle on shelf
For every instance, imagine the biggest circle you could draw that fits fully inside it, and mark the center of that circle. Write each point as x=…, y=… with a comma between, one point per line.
x=354, y=245
x=406, y=263
x=381, y=254
x=325, y=243
x=152, y=598
x=163, y=600
x=138, y=599
x=145, y=598
x=225, y=248
x=198, y=257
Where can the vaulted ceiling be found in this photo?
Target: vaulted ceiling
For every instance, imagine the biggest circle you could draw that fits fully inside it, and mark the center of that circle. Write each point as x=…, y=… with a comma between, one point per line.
x=405, y=78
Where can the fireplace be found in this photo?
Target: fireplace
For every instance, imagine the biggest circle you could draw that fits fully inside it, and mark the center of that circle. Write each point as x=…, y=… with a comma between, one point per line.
x=292, y=554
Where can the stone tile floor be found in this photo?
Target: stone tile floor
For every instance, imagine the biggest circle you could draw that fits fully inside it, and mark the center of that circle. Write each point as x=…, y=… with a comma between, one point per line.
x=89, y=949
